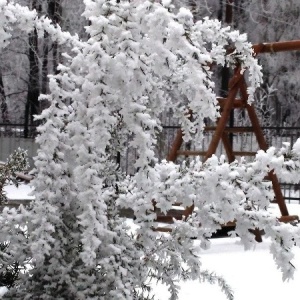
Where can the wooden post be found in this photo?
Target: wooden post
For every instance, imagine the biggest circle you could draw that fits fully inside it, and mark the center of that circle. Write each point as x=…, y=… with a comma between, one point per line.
x=264, y=146
x=277, y=47
x=176, y=146
x=224, y=116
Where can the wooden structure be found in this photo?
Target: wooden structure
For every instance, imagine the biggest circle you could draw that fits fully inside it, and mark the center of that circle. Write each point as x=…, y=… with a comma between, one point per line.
x=236, y=99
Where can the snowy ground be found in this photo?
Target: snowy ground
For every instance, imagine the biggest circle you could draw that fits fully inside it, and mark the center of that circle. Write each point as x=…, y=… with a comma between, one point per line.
x=18, y=193
x=252, y=274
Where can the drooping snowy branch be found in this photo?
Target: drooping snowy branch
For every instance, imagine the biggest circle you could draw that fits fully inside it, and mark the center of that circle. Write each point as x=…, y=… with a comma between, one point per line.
x=21, y=18
x=14, y=16
x=114, y=86
x=221, y=193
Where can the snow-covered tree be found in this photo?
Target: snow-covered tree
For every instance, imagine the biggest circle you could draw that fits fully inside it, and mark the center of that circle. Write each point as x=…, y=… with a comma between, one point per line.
x=273, y=21
x=28, y=59
x=114, y=86
x=16, y=162
x=266, y=21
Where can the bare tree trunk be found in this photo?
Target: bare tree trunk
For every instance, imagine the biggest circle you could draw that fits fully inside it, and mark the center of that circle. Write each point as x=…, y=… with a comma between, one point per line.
x=45, y=70
x=55, y=11
x=3, y=104
x=32, y=106
x=45, y=63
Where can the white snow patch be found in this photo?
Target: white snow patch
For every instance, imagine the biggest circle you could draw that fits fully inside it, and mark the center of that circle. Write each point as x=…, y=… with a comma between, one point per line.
x=251, y=274
x=3, y=290
x=22, y=192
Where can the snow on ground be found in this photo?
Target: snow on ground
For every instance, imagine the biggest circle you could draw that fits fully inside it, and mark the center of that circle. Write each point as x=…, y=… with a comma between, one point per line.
x=18, y=193
x=3, y=290
x=251, y=274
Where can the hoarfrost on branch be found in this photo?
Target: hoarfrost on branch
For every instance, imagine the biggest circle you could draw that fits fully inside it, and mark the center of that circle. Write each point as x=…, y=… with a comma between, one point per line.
x=140, y=59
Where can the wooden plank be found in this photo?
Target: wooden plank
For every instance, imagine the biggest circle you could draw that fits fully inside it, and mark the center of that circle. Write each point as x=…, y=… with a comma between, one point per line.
x=232, y=224
x=224, y=116
x=162, y=229
x=173, y=204
x=228, y=147
x=274, y=47
x=257, y=233
x=256, y=128
x=253, y=117
x=229, y=224
x=244, y=153
x=168, y=219
x=287, y=219
x=277, y=47
x=176, y=204
x=237, y=103
x=191, y=153
x=264, y=146
x=188, y=211
x=172, y=155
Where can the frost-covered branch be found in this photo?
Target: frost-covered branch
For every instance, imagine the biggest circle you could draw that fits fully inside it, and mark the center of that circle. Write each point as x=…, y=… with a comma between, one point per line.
x=140, y=59
x=18, y=17
x=221, y=193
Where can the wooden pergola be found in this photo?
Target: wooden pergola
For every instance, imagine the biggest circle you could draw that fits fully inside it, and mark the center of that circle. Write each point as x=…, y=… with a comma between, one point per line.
x=237, y=86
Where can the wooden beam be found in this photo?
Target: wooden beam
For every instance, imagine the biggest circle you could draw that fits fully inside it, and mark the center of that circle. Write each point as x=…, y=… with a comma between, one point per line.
x=162, y=229
x=236, y=103
x=244, y=153
x=228, y=147
x=224, y=115
x=277, y=47
x=264, y=146
x=253, y=117
x=287, y=219
x=172, y=155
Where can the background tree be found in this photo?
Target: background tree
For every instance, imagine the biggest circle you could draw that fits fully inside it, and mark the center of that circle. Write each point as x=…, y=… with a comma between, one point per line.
x=262, y=20
x=3, y=105
x=16, y=162
x=266, y=21
x=27, y=62
x=269, y=21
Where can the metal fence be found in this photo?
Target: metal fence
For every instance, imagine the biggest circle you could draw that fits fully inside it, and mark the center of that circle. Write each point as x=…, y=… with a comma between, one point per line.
x=18, y=130
x=12, y=137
